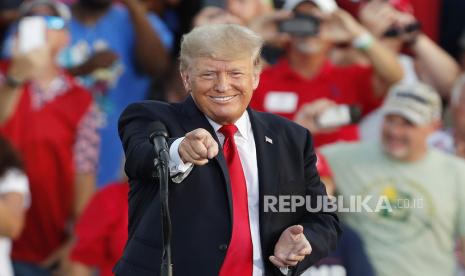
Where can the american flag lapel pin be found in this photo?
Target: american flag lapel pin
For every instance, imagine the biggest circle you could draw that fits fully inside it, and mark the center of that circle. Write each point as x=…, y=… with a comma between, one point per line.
x=268, y=140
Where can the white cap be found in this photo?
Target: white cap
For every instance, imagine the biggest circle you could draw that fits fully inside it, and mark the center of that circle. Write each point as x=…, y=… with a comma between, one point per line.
x=418, y=103
x=59, y=8
x=326, y=6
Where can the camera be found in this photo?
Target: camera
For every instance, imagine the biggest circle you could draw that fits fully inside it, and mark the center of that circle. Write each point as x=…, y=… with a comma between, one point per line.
x=339, y=115
x=300, y=25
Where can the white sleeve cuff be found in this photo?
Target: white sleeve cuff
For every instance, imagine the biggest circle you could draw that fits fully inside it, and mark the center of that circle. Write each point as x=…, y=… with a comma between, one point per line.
x=284, y=270
x=178, y=169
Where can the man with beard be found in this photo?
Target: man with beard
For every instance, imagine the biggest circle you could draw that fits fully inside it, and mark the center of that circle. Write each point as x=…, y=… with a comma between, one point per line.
x=305, y=83
x=416, y=194
x=114, y=50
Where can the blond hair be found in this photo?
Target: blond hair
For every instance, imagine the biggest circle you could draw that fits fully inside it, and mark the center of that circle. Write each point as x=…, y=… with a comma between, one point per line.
x=220, y=41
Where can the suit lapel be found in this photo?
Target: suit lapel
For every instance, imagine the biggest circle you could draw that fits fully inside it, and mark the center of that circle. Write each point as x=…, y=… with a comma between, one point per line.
x=192, y=118
x=266, y=142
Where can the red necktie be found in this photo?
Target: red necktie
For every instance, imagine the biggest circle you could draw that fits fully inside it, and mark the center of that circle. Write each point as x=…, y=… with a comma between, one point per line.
x=239, y=257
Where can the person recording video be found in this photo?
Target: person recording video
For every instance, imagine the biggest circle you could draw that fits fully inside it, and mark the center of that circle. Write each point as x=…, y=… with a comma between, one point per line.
x=304, y=83
x=53, y=123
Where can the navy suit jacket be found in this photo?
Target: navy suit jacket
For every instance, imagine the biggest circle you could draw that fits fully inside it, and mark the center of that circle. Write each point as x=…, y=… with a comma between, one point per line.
x=201, y=204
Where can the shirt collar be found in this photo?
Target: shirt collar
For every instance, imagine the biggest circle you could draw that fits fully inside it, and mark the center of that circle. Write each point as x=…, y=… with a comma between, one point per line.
x=57, y=87
x=243, y=125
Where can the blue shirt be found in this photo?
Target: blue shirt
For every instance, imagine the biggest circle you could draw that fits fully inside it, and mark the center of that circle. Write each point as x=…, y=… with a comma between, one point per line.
x=115, y=87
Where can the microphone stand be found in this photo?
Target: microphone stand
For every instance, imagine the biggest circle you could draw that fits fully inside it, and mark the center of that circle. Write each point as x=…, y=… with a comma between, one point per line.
x=161, y=166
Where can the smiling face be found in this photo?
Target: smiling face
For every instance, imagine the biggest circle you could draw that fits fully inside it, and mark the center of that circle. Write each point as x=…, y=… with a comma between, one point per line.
x=402, y=140
x=221, y=89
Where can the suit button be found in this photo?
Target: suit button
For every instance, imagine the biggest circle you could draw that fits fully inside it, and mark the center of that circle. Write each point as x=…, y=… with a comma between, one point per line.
x=223, y=247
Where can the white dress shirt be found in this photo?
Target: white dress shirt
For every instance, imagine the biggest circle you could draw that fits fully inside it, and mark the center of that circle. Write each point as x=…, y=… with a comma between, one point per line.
x=245, y=143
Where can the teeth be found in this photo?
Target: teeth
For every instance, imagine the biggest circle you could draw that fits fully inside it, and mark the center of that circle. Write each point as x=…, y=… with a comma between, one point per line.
x=222, y=99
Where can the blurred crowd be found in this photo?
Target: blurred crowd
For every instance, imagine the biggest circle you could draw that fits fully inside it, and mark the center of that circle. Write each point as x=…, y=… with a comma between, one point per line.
x=378, y=83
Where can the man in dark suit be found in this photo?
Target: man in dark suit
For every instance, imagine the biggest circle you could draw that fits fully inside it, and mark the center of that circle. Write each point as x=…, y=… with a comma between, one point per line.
x=225, y=158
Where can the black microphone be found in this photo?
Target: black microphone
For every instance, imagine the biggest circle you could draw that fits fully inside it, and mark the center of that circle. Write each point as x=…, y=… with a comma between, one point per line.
x=158, y=135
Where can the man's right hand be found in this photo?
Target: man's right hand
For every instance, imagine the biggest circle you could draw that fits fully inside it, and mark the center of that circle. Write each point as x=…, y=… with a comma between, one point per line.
x=308, y=114
x=26, y=66
x=198, y=147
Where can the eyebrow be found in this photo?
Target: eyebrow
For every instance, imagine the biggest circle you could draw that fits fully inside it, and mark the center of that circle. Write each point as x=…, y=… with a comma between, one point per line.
x=209, y=70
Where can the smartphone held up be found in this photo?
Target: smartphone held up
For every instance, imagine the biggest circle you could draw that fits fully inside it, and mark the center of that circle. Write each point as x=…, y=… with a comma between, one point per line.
x=31, y=33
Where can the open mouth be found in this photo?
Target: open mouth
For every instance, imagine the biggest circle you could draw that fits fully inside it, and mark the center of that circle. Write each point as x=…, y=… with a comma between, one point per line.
x=222, y=99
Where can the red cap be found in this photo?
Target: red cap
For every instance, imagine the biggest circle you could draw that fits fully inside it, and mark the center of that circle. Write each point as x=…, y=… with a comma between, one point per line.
x=402, y=5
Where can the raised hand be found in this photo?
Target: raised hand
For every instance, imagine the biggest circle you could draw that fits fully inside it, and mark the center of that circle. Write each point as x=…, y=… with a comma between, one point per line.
x=198, y=147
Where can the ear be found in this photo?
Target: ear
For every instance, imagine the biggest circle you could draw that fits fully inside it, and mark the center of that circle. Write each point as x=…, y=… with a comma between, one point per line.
x=256, y=80
x=186, y=80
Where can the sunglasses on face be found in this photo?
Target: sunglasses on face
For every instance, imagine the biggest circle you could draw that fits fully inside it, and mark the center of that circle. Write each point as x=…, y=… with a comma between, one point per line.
x=53, y=22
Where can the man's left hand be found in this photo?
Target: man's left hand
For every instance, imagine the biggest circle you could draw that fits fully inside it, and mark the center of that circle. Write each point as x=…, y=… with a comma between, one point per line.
x=291, y=248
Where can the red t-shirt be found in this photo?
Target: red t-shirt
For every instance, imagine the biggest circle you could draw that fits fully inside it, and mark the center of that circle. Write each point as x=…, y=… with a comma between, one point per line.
x=102, y=230
x=45, y=139
x=283, y=91
x=322, y=166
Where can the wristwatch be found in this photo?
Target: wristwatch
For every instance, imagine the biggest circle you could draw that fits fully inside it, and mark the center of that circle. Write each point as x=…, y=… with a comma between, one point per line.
x=363, y=42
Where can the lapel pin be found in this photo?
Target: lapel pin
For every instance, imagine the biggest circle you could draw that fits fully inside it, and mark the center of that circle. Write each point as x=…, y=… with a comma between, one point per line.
x=268, y=140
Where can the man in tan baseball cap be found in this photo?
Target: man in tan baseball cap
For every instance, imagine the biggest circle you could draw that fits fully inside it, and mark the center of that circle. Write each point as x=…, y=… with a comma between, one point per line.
x=411, y=114
x=423, y=186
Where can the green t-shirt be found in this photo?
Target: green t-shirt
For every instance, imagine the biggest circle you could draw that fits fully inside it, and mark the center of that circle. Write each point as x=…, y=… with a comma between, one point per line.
x=427, y=201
